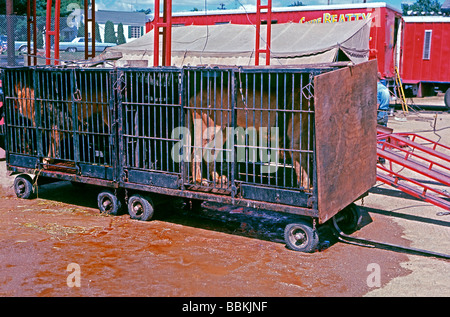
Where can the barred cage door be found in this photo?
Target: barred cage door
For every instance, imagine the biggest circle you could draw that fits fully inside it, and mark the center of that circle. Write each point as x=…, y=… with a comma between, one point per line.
x=54, y=107
x=251, y=132
x=94, y=117
x=275, y=135
x=149, y=110
x=21, y=138
x=63, y=118
x=208, y=153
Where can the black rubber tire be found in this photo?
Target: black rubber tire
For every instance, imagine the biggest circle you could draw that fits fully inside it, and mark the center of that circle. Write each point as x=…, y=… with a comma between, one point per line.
x=108, y=203
x=23, y=187
x=301, y=236
x=447, y=99
x=140, y=207
x=348, y=220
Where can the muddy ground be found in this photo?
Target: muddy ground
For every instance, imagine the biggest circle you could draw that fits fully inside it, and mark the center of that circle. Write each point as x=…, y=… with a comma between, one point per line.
x=220, y=250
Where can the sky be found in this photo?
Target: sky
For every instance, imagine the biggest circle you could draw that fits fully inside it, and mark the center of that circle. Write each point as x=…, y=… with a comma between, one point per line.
x=187, y=5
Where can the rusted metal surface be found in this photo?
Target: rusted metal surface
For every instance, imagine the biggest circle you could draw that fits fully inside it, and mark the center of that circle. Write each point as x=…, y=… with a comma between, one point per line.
x=345, y=122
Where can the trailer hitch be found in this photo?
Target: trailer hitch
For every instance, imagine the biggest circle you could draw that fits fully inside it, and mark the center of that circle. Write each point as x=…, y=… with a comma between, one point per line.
x=341, y=236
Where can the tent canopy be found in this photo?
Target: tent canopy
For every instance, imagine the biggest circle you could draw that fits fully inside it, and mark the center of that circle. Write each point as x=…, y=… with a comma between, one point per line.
x=234, y=45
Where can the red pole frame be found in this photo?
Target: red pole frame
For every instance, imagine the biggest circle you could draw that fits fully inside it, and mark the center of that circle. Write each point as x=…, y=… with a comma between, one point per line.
x=268, y=14
x=166, y=25
x=88, y=19
x=49, y=32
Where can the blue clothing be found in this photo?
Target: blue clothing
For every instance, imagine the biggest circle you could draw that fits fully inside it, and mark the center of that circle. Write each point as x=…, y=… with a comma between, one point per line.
x=383, y=98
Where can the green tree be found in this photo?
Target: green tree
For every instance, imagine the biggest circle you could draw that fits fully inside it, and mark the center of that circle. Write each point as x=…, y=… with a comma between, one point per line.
x=146, y=11
x=39, y=38
x=426, y=6
x=120, y=36
x=296, y=4
x=20, y=7
x=81, y=30
x=110, y=34
x=98, y=36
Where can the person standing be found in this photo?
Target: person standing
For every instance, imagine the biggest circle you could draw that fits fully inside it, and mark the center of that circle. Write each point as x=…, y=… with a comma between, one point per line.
x=383, y=99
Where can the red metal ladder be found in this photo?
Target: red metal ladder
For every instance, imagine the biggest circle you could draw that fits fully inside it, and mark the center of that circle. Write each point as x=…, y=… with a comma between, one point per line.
x=268, y=13
x=49, y=32
x=164, y=23
x=409, y=154
x=89, y=16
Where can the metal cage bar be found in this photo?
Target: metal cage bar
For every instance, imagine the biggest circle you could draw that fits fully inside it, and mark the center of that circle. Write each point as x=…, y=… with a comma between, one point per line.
x=62, y=117
x=150, y=113
x=242, y=132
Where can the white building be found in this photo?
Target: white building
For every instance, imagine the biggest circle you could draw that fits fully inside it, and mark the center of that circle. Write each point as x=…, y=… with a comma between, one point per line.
x=133, y=22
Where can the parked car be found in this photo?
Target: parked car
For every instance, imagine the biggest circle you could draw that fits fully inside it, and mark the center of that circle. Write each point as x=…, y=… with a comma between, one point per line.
x=20, y=46
x=77, y=45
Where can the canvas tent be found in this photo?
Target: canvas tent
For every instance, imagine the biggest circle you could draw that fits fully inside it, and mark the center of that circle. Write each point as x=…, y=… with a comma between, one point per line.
x=233, y=44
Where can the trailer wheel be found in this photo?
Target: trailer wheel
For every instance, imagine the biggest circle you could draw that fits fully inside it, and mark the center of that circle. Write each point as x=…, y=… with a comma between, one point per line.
x=140, y=207
x=447, y=99
x=23, y=186
x=301, y=236
x=348, y=219
x=108, y=203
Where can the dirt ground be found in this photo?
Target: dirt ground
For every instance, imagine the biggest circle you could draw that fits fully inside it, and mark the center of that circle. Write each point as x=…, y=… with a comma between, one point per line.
x=220, y=251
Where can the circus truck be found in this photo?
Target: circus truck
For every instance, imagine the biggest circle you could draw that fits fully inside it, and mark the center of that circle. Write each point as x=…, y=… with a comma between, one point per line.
x=384, y=34
x=425, y=67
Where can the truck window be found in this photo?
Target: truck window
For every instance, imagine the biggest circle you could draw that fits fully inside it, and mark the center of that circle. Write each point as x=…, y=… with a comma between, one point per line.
x=427, y=44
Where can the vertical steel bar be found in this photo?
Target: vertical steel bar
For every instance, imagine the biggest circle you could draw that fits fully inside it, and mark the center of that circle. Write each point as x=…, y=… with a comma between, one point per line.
x=233, y=87
x=167, y=121
x=121, y=155
x=161, y=151
x=47, y=113
x=154, y=115
x=173, y=101
x=183, y=89
x=136, y=121
x=277, y=77
x=300, y=133
x=149, y=156
x=292, y=137
x=259, y=136
x=223, y=130
x=126, y=110
x=230, y=157
x=75, y=128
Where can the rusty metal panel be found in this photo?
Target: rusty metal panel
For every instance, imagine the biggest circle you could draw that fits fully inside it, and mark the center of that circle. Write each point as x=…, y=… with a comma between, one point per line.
x=345, y=122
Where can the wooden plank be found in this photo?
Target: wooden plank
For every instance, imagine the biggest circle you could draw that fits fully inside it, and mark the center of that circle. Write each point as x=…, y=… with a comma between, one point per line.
x=346, y=135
